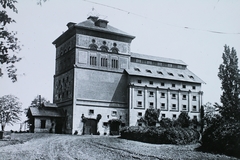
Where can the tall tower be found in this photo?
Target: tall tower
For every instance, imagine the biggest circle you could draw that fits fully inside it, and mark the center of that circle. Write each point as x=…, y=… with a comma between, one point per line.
x=89, y=79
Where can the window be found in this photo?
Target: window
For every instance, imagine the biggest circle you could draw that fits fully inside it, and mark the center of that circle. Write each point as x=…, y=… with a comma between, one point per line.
x=149, y=62
x=159, y=72
x=174, y=107
x=139, y=93
x=93, y=60
x=162, y=105
x=104, y=62
x=148, y=71
x=114, y=63
x=138, y=60
x=43, y=124
x=169, y=65
x=162, y=95
x=191, y=77
x=150, y=94
x=195, y=117
x=193, y=87
x=181, y=75
x=139, y=114
x=184, y=97
x=114, y=113
x=184, y=107
x=183, y=86
x=194, y=98
x=105, y=124
x=137, y=69
x=151, y=82
x=139, y=81
x=162, y=84
x=90, y=112
x=144, y=61
x=139, y=124
x=163, y=115
x=159, y=64
x=173, y=96
x=139, y=104
x=174, y=116
x=170, y=74
x=173, y=85
x=151, y=105
x=194, y=108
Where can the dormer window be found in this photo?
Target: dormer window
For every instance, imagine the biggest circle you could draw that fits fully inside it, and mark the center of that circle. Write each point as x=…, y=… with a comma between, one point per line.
x=191, y=77
x=181, y=75
x=159, y=72
x=137, y=69
x=170, y=74
x=149, y=71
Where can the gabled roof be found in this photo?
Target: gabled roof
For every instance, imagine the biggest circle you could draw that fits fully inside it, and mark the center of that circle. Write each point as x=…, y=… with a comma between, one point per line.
x=47, y=110
x=144, y=70
x=155, y=58
x=89, y=24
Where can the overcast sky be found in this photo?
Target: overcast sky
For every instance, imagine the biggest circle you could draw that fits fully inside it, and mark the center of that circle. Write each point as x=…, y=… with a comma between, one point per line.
x=193, y=31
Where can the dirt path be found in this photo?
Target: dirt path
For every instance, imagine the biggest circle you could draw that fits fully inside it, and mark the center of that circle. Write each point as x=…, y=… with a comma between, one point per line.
x=67, y=147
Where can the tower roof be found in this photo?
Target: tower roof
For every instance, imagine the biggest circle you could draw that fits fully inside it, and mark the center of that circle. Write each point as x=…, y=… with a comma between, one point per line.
x=93, y=23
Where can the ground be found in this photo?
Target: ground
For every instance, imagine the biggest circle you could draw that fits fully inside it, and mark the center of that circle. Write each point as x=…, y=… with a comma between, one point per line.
x=32, y=146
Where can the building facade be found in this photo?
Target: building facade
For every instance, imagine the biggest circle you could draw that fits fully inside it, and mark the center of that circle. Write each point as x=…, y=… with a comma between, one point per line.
x=101, y=85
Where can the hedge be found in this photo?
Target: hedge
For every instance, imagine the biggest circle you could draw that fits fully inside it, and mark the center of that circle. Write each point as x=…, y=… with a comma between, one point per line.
x=222, y=137
x=159, y=135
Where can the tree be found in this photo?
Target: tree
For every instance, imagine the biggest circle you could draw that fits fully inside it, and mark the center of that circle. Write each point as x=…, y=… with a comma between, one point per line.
x=8, y=41
x=10, y=110
x=151, y=116
x=38, y=100
x=183, y=119
x=230, y=77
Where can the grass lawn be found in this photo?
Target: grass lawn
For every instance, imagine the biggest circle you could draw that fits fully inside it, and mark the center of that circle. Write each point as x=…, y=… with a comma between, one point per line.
x=54, y=146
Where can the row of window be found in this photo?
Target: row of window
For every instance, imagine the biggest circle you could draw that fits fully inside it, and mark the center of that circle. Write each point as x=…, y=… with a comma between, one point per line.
x=174, y=96
x=113, y=113
x=173, y=85
x=161, y=73
x=104, y=62
x=163, y=106
x=163, y=115
x=157, y=63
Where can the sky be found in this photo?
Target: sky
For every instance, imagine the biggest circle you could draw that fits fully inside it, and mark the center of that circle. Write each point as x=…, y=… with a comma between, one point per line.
x=194, y=31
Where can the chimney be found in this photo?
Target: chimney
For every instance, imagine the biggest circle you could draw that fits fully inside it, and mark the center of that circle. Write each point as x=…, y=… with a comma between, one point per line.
x=101, y=23
x=93, y=18
x=70, y=24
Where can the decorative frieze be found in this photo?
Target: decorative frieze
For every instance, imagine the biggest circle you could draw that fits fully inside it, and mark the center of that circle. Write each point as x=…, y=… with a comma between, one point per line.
x=101, y=44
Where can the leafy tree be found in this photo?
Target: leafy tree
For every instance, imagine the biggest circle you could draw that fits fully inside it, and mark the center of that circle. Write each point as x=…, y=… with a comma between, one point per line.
x=230, y=77
x=38, y=100
x=183, y=119
x=8, y=40
x=151, y=116
x=10, y=110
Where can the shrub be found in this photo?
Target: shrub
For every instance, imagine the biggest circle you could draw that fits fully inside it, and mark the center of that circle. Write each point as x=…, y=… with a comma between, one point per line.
x=183, y=120
x=222, y=137
x=166, y=123
x=151, y=116
x=160, y=135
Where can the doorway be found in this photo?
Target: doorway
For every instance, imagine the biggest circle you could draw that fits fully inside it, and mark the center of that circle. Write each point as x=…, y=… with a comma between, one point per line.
x=90, y=127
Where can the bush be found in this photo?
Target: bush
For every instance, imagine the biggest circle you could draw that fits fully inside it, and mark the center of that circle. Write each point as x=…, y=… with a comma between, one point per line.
x=222, y=137
x=166, y=123
x=160, y=135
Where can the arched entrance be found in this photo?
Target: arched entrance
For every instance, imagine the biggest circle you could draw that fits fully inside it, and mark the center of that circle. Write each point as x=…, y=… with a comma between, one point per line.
x=114, y=126
x=90, y=126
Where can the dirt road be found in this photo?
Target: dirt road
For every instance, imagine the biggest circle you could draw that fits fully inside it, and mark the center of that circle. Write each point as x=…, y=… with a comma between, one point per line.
x=68, y=147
